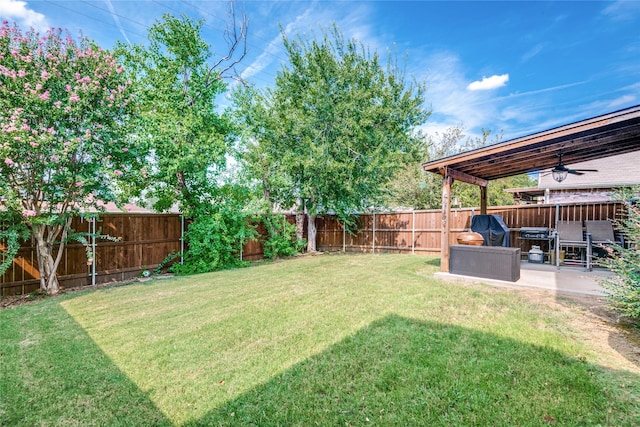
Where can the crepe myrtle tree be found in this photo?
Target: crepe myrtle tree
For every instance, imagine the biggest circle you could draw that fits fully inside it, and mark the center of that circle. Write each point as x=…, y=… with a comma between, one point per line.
x=64, y=109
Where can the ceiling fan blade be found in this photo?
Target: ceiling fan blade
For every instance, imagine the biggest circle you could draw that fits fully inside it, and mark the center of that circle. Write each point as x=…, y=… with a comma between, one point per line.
x=587, y=170
x=575, y=172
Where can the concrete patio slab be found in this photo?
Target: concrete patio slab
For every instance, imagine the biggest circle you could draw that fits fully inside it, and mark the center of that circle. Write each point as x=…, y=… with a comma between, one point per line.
x=564, y=279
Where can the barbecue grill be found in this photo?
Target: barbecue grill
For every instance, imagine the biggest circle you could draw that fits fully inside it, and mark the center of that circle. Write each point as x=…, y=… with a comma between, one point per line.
x=533, y=233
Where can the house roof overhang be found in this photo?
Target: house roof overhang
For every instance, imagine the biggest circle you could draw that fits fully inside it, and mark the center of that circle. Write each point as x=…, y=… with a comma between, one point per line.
x=597, y=137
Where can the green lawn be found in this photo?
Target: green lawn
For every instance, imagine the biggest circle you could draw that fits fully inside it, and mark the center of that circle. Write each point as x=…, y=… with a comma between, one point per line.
x=326, y=340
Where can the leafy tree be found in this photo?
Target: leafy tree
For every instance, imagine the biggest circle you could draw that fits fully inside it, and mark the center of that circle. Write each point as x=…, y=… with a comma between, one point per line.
x=64, y=107
x=415, y=188
x=262, y=165
x=336, y=126
x=177, y=82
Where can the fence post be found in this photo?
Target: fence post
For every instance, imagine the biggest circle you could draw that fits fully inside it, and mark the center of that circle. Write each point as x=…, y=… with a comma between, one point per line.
x=374, y=233
x=413, y=231
x=344, y=238
x=181, y=239
x=92, y=228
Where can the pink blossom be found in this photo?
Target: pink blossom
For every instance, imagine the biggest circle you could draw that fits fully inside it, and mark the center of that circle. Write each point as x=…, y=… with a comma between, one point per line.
x=44, y=74
x=8, y=161
x=125, y=149
x=57, y=104
x=44, y=95
x=117, y=172
x=28, y=213
x=79, y=184
x=74, y=98
x=21, y=73
x=34, y=144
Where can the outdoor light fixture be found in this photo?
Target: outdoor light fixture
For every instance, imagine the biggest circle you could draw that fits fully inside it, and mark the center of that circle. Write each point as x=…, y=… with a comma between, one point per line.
x=559, y=173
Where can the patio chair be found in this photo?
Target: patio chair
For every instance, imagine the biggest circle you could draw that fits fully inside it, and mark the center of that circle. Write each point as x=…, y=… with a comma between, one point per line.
x=569, y=234
x=601, y=232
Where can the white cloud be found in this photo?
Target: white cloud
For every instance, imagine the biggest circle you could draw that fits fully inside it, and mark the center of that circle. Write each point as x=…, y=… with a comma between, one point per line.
x=451, y=103
x=310, y=23
x=488, y=83
x=19, y=11
x=623, y=100
x=622, y=10
x=116, y=19
x=270, y=53
x=531, y=53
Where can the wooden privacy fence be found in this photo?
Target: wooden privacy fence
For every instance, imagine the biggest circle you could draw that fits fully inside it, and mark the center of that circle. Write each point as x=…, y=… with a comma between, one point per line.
x=144, y=241
x=420, y=231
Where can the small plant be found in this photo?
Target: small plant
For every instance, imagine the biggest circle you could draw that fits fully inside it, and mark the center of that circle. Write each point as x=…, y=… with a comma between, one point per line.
x=163, y=264
x=281, y=239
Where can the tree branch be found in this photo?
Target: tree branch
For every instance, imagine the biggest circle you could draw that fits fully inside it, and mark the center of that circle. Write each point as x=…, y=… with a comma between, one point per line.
x=235, y=35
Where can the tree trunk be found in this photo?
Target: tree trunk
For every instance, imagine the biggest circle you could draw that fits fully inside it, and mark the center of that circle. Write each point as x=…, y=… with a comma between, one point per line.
x=46, y=263
x=311, y=233
x=45, y=237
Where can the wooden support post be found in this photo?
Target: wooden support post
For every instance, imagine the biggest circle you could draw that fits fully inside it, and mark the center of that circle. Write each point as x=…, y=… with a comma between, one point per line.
x=483, y=200
x=446, y=215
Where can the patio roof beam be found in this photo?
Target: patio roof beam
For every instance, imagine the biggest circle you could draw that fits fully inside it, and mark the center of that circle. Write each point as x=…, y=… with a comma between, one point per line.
x=464, y=177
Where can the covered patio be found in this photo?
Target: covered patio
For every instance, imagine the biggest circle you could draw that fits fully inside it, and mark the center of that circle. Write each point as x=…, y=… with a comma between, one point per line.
x=564, y=281
x=598, y=137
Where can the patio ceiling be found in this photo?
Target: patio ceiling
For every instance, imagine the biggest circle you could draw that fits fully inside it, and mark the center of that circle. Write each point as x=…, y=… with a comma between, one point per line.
x=597, y=137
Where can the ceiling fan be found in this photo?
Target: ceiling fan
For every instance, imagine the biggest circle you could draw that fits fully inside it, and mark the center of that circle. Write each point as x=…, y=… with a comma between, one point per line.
x=560, y=171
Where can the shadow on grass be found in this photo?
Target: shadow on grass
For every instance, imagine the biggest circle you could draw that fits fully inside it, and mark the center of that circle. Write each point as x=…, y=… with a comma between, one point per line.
x=399, y=371
x=52, y=373
x=433, y=261
x=396, y=371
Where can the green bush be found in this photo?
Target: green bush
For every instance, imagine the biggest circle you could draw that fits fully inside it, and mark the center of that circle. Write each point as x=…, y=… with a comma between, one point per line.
x=12, y=232
x=281, y=237
x=623, y=289
x=214, y=241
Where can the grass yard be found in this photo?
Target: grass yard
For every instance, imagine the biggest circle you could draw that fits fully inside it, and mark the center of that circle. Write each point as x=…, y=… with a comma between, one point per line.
x=327, y=340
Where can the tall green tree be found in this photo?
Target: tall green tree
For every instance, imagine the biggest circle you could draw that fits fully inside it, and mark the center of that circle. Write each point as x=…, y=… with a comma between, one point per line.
x=412, y=187
x=64, y=145
x=177, y=80
x=341, y=124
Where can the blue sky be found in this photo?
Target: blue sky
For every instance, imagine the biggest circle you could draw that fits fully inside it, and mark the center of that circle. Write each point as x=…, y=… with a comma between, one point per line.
x=516, y=67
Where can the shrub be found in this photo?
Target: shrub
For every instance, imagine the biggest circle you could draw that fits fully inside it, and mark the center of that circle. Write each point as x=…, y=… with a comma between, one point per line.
x=214, y=241
x=281, y=237
x=623, y=289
